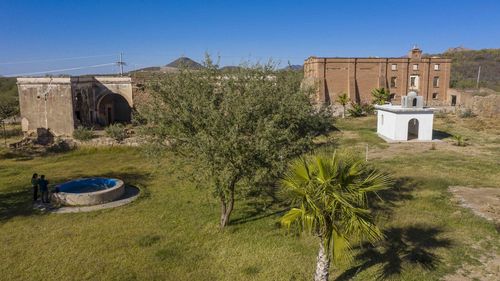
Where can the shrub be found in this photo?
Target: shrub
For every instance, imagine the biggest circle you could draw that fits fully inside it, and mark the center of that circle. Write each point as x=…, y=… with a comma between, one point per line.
x=368, y=109
x=467, y=113
x=83, y=134
x=116, y=131
x=460, y=140
x=356, y=110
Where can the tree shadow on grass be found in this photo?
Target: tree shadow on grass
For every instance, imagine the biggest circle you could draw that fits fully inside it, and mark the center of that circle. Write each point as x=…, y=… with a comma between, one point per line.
x=389, y=198
x=413, y=245
x=14, y=204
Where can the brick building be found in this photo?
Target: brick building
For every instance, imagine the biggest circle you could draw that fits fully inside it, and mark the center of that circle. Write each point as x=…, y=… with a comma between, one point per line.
x=428, y=76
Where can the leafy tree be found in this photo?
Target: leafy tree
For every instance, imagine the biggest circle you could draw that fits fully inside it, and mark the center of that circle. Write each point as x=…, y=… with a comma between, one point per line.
x=239, y=128
x=381, y=96
x=343, y=99
x=9, y=107
x=330, y=198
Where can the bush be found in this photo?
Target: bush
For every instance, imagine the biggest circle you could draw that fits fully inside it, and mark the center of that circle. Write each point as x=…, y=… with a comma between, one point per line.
x=368, y=109
x=116, y=131
x=460, y=140
x=83, y=134
x=467, y=113
x=356, y=110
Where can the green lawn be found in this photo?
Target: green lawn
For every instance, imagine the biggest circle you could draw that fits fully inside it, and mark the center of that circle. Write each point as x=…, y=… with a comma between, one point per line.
x=171, y=232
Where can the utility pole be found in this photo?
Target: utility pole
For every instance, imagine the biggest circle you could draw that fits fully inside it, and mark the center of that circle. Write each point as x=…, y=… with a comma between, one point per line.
x=120, y=63
x=478, y=76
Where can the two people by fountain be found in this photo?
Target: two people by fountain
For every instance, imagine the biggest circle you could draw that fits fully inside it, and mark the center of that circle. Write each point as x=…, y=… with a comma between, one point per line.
x=42, y=184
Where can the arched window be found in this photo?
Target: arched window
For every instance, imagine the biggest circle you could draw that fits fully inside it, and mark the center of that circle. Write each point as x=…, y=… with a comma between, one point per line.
x=414, y=102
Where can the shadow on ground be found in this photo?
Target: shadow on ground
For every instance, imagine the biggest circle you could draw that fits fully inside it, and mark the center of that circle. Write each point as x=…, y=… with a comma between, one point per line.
x=14, y=204
x=387, y=199
x=413, y=245
x=439, y=135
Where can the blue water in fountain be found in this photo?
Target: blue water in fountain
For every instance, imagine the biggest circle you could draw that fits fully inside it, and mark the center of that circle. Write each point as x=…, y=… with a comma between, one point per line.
x=87, y=185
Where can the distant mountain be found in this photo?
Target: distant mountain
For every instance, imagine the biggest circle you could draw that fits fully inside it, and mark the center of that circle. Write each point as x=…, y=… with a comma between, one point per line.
x=457, y=49
x=184, y=62
x=295, y=67
x=230, y=68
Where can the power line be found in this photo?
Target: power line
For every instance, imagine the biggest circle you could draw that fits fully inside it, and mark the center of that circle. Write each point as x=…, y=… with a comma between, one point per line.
x=65, y=69
x=59, y=59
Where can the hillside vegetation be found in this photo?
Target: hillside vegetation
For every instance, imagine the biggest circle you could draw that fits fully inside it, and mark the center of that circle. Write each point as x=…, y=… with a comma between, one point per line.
x=465, y=64
x=8, y=88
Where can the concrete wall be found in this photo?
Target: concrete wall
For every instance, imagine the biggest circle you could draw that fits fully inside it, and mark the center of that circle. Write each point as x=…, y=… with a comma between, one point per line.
x=46, y=103
x=61, y=104
x=117, y=85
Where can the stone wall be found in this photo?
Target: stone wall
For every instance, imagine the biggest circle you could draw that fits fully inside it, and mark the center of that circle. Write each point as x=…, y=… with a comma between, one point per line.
x=483, y=102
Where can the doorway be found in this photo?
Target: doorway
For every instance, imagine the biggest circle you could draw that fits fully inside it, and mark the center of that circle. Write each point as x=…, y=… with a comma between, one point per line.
x=412, y=129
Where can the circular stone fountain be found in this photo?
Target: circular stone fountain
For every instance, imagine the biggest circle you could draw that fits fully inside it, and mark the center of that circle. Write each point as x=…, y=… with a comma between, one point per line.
x=88, y=191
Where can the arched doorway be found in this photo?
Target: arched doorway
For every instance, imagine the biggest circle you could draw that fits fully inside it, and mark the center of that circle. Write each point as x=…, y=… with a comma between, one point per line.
x=413, y=129
x=113, y=108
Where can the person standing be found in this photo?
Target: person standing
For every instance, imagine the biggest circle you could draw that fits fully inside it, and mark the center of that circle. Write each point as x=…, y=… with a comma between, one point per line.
x=34, y=183
x=44, y=188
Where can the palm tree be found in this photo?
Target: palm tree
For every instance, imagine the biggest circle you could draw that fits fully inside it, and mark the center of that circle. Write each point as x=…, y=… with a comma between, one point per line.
x=343, y=99
x=330, y=195
x=381, y=96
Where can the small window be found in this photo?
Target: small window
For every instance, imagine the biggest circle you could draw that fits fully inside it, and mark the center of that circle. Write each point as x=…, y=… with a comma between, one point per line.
x=415, y=67
x=394, y=67
x=434, y=96
x=436, y=67
x=392, y=97
x=394, y=82
x=435, y=82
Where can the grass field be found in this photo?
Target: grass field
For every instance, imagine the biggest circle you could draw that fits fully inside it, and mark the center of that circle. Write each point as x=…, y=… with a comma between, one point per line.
x=171, y=232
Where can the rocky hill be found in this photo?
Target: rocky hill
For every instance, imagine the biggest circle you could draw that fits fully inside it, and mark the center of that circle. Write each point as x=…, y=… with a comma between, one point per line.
x=184, y=62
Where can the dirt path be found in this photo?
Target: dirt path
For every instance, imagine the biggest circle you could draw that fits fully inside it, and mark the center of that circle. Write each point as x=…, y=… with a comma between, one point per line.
x=484, y=202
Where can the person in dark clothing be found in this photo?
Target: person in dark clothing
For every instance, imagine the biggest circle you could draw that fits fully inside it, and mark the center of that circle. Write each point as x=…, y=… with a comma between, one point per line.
x=34, y=183
x=44, y=188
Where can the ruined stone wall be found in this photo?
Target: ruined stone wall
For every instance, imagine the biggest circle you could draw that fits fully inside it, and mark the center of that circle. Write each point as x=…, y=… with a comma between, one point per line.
x=46, y=104
x=483, y=102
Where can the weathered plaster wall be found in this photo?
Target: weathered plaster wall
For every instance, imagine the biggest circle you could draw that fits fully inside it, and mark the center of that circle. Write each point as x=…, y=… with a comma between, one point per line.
x=46, y=104
x=61, y=104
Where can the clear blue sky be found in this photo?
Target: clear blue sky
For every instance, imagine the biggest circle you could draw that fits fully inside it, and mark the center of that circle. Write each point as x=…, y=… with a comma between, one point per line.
x=152, y=33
